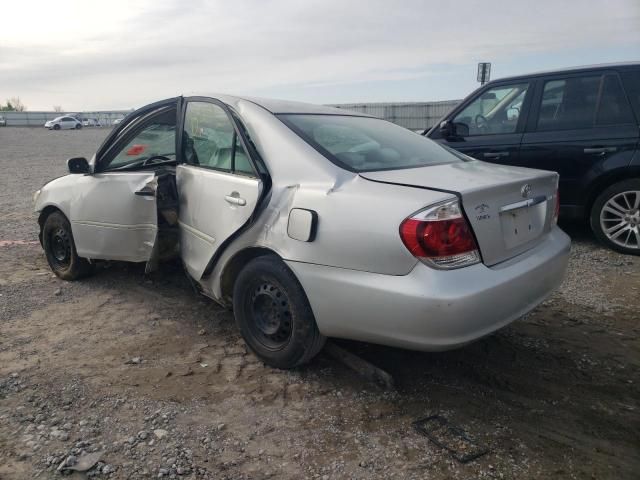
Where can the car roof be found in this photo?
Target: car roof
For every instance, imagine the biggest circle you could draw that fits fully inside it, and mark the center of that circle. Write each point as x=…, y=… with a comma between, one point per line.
x=578, y=69
x=286, y=106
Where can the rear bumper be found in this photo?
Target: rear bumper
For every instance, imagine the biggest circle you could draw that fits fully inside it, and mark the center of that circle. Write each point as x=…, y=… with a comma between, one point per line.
x=431, y=309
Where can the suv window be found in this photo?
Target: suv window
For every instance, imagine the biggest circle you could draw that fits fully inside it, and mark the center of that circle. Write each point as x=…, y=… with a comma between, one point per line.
x=210, y=141
x=582, y=102
x=497, y=110
x=631, y=82
x=613, y=108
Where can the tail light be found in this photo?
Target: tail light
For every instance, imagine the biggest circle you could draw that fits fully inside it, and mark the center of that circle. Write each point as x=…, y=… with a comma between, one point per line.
x=440, y=236
x=556, y=209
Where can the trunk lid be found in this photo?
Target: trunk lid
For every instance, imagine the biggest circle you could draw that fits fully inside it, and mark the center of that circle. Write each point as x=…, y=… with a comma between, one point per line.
x=510, y=209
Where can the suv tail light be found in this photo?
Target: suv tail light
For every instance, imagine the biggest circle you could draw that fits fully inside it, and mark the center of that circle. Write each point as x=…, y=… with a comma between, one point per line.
x=556, y=210
x=440, y=236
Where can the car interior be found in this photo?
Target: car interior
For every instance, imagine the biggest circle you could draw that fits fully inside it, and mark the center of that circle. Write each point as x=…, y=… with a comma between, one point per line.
x=496, y=111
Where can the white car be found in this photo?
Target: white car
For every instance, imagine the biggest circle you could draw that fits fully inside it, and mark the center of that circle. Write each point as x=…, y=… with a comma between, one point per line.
x=312, y=222
x=117, y=121
x=63, y=123
x=91, y=122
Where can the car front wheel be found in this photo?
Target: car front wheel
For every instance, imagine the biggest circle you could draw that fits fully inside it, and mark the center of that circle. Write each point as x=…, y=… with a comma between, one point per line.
x=274, y=315
x=615, y=216
x=56, y=127
x=60, y=249
x=78, y=126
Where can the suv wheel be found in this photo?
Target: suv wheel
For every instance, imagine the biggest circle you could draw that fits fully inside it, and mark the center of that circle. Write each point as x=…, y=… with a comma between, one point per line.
x=615, y=217
x=274, y=315
x=60, y=249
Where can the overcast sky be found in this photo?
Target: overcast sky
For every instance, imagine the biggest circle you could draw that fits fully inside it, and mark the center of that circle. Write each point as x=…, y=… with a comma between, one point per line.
x=111, y=54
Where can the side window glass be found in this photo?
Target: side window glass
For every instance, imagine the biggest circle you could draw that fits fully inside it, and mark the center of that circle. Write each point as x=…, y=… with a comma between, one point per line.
x=631, y=82
x=157, y=140
x=242, y=165
x=495, y=111
x=614, y=108
x=208, y=136
x=209, y=139
x=569, y=103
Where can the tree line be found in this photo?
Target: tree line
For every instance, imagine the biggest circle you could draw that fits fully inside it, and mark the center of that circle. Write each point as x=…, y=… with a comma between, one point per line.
x=14, y=104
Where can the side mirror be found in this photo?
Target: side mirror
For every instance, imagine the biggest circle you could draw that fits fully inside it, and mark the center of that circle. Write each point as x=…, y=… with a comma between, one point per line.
x=460, y=129
x=78, y=165
x=447, y=129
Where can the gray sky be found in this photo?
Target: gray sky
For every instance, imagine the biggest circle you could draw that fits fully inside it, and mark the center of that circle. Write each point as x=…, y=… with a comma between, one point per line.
x=86, y=55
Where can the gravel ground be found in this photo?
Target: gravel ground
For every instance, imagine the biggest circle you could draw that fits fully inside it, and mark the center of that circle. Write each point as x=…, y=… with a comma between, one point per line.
x=156, y=382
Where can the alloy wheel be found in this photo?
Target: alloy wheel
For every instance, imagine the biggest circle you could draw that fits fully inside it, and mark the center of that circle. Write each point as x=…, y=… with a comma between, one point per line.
x=620, y=219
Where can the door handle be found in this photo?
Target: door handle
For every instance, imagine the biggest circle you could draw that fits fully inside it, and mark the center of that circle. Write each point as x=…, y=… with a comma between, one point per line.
x=600, y=150
x=146, y=192
x=495, y=154
x=235, y=199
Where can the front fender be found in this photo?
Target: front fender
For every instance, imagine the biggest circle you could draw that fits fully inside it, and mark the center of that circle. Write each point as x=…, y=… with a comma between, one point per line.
x=58, y=193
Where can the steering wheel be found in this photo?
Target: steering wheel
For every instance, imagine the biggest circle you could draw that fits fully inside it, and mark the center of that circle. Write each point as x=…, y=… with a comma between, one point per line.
x=147, y=161
x=481, y=122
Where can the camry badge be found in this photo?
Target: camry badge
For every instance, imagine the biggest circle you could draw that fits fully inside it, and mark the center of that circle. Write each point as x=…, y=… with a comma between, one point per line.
x=483, y=207
x=481, y=212
x=525, y=190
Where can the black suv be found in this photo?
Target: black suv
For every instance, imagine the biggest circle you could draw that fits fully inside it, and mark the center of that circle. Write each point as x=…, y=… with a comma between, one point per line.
x=582, y=123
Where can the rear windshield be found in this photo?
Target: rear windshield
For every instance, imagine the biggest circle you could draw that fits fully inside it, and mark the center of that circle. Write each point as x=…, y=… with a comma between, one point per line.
x=363, y=144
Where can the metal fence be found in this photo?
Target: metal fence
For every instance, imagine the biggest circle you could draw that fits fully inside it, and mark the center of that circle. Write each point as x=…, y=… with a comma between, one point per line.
x=411, y=115
x=37, y=119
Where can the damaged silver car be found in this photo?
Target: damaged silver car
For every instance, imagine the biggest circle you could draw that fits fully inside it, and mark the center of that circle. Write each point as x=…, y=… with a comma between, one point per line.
x=312, y=222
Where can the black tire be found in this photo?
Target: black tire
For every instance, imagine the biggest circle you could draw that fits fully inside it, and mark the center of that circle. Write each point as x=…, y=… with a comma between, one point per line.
x=56, y=127
x=274, y=315
x=60, y=249
x=78, y=126
x=626, y=194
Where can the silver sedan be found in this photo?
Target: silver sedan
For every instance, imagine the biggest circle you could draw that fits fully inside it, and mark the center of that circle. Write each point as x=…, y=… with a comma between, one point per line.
x=312, y=222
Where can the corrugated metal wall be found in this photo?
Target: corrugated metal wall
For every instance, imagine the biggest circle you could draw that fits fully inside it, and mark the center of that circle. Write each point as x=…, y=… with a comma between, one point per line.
x=37, y=119
x=412, y=115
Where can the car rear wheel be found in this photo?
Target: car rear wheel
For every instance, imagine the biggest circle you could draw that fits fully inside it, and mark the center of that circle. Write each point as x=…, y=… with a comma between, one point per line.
x=60, y=249
x=56, y=127
x=615, y=217
x=274, y=315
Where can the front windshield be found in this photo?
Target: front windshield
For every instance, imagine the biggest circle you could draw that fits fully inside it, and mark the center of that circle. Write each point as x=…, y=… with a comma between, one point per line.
x=363, y=144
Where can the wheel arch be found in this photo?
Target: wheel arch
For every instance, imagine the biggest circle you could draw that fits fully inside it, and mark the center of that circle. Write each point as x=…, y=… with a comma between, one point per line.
x=42, y=217
x=235, y=265
x=605, y=181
